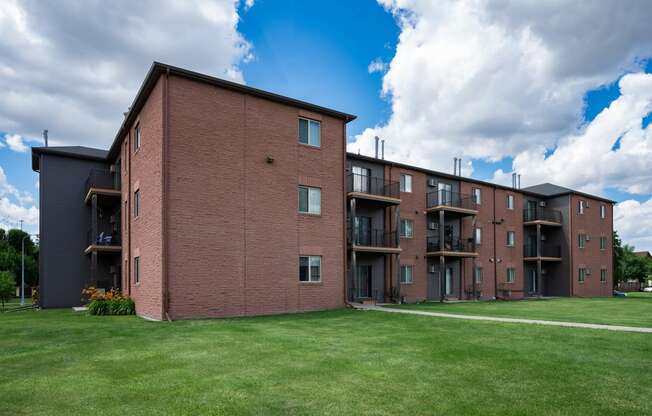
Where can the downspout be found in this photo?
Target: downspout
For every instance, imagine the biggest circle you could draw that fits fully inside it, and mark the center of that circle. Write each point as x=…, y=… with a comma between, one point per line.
x=495, y=257
x=571, y=276
x=344, y=228
x=164, y=184
x=128, y=207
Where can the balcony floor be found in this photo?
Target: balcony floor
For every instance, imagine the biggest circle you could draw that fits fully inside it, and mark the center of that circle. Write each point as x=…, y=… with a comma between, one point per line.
x=543, y=222
x=542, y=258
x=454, y=210
x=385, y=200
x=451, y=254
x=372, y=249
x=103, y=249
x=106, y=192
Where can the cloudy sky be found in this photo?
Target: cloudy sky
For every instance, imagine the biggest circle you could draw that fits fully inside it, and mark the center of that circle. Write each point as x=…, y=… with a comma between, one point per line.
x=559, y=91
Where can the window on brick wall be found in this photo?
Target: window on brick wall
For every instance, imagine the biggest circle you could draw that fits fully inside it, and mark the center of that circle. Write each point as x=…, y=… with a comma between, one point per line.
x=309, y=200
x=603, y=275
x=580, y=206
x=309, y=268
x=477, y=235
x=406, y=183
x=137, y=269
x=603, y=243
x=477, y=195
x=136, y=203
x=511, y=275
x=581, y=240
x=510, y=201
x=310, y=132
x=477, y=275
x=407, y=228
x=603, y=211
x=511, y=238
x=406, y=273
x=581, y=275
x=137, y=137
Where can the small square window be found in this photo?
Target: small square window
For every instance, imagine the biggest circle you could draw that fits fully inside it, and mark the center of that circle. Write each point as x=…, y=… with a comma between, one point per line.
x=407, y=228
x=406, y=274
x=310, y=132
x=309, y=268
x=580, y=207
x=406, y=183
x=510, y=201
x=581, y=275
x=603, y=243
x=603, y=211
x=309, y=200
x=581, y=240
x=603, y=275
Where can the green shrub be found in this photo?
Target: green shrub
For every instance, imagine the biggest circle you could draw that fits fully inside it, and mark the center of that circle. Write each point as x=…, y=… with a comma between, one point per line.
x=7, y=287
x=119, y=306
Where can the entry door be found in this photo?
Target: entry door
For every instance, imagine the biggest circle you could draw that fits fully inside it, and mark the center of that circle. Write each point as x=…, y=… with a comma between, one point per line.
x=360, y=179
x=531, y=210
x=532, y=277
x=364, y=281
x=363, y=225
x=445, y=191
x=449, y=281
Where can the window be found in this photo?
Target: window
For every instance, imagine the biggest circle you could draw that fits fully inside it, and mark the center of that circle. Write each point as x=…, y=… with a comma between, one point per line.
x=511, y=238
x=310, y=132
x=136, y=203
x=581, y=240
x=406, y=274
x=309, y=268
x=407, y=227
x=580, y=207
x=511, y=275
x=477, y=196
x=477, y=275
x=406, y=183
x=309, y=200
x=510, y=201
x=137, y=269
x=581, y=275
x=361, y=179
x=603, y=275
x=477, y=235
x=603, y=243
x=137, y=137
x=603, y=211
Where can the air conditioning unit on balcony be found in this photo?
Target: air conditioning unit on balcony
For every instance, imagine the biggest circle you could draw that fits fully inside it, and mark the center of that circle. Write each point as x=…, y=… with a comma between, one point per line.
x=542, y=204
x=432, y=182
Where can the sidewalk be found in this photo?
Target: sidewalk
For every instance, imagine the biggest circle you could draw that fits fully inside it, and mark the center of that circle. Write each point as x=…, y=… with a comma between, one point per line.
x=618, y=328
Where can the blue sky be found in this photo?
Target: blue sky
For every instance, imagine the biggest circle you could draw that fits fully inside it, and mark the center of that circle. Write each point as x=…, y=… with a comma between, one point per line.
x=499, y=108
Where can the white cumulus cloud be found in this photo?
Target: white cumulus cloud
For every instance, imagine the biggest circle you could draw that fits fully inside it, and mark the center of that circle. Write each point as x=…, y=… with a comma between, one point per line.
x=633, y=220
x=377, y=65
x=15, y=143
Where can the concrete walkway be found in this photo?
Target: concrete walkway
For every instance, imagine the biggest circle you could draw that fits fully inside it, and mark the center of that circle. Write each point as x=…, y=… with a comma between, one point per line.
x=618, y=328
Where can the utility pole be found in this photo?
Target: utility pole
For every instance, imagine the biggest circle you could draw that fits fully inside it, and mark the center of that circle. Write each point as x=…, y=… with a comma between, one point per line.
x=21, y=225
x=22, y=279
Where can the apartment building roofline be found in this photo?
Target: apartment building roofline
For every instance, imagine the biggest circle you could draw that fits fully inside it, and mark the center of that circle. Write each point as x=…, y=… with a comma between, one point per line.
x=524, y=191
x=159, y=68
x=75, y=152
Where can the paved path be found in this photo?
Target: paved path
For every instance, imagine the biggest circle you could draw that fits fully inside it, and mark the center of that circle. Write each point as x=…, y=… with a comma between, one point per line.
x=618, y=328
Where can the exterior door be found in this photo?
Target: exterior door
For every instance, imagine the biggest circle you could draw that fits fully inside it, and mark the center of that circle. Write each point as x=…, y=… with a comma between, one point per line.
x=533, y=281
x=363, y=225
x=364, y=281
x=531, y=210
x=445, y=193
x=361, y=178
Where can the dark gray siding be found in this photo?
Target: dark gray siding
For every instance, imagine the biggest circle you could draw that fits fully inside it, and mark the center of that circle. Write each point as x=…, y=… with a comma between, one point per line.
x=64, y=269
x=557, y=275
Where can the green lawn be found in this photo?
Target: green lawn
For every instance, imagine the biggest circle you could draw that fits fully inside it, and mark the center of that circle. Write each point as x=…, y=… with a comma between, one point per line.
x=339, y=362
x=634, y=310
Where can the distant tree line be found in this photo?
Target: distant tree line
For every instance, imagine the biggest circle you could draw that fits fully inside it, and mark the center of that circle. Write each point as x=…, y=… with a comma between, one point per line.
x=627, y=265
x=10, y=256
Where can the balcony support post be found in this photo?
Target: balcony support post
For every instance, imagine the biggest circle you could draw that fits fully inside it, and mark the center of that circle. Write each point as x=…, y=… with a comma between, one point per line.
x=442, y=259
x=354, y=240
x=539, y=277
x=397, y=221
x=354, y=225
x=93, y=239
x=354, y=275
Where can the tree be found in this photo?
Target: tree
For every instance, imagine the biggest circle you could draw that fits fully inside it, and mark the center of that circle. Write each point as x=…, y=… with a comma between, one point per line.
x=7, y=287
x=618, y=259
x=15, y=238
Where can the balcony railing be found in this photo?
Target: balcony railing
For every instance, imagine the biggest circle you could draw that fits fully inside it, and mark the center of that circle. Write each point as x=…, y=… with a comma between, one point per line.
x=462, y=245
x=450, y=199
x=104, y=179
x=105, y=236
x=547, y=250
x=541, y=214
x=374, y=238
x=366, y=184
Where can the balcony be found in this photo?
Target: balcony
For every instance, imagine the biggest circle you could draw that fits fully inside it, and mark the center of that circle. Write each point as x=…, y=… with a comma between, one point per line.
x=371, y=188
x=549, y=252
x=541, y=215
x=449, y=201
x=452, y=247
x=375, y=241
x=104, y=184
x=105, y=240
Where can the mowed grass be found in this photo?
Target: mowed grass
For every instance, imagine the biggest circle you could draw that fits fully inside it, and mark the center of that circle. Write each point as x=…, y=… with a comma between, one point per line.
x=633, y=310
x=338, y=362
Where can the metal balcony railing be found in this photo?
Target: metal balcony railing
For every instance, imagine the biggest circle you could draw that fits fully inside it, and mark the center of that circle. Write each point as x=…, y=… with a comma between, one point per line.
x=366, y=184
x=105, y=236
x=450, y=199
x=373, y=238
x=462, y=245
x=547, y=250
x=98, y=178
x=542, y=214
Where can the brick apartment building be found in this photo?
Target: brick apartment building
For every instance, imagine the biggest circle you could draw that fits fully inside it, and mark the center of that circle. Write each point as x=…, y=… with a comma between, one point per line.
x=217, y=199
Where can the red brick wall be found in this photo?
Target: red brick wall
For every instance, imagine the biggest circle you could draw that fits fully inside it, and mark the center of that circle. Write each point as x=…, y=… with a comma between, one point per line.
x=591, y=256
x=142, y=236
x=509, y=256
x=413, y=206
x=234, y=233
